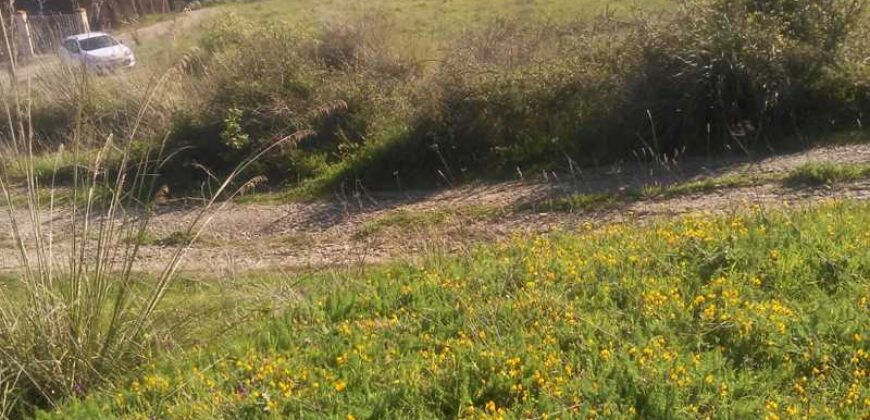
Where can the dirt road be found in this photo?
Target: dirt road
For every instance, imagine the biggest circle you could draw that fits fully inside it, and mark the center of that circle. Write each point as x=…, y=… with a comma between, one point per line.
x=371, y=228
x=45, y=64
x=177, y=23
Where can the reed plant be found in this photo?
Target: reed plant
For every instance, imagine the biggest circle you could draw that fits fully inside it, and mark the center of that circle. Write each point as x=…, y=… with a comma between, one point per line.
x=76, y=312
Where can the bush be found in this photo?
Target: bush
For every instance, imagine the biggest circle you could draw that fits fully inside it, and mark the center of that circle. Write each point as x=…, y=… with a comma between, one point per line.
x=712, y=75
x=293, y=80
x=519, y=94
x=744, y=71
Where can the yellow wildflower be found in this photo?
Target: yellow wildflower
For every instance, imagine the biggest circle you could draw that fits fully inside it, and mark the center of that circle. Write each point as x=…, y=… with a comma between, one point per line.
x=340, y=386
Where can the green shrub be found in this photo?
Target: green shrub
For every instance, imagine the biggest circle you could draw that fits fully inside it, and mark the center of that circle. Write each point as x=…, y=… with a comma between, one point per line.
x=711, y=76
x=520, y=94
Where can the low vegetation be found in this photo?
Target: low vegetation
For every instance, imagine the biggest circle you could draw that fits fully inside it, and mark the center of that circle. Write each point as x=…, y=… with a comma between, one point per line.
x=399, y=221
x=75, y=314
x=810, y=174
x=743, y=316
x=827, y=173
x=373, y=108
x=525, y=94
x=746, y=316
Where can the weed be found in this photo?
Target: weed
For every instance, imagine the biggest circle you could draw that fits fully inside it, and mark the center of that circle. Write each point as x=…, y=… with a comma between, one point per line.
x=402, y=220
x=398, y=221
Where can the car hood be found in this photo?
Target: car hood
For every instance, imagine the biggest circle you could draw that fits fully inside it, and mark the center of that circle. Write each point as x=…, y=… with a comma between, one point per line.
x=109, y=53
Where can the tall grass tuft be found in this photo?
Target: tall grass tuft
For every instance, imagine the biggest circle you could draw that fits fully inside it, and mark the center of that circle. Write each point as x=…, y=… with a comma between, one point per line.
x=76, y=313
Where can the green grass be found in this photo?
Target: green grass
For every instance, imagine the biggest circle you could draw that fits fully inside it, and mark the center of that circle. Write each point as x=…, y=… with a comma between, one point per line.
x=827, y=173
x=575, y=203
x=173, y=239
x=586, y=202
x=424, y=18
x=400, y=220
x=495, y=83
x=708, y=185
x=807, y=175
x=428, y=21
x=421, y=23
x=729, y=317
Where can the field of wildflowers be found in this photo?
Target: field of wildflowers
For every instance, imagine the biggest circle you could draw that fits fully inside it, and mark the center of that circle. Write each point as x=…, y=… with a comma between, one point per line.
x=758, y=315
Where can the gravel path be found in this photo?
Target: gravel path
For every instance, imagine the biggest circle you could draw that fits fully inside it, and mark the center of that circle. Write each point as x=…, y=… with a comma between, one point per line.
x=379, y=227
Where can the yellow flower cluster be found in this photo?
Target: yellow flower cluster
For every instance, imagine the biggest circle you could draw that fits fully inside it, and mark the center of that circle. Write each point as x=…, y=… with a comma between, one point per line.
x=700, y=317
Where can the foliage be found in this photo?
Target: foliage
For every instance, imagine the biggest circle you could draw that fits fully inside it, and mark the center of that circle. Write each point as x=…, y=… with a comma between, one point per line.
x=521, y=92
x=232, y=135
x=711, y=75
x=334, y=84
x=70, y=320
x=746, y=71
x=742, y=316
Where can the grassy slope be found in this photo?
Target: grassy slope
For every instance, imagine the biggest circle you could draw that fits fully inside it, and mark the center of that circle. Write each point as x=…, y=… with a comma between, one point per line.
x=440, y=17
x=745, y=316
x=423, y=22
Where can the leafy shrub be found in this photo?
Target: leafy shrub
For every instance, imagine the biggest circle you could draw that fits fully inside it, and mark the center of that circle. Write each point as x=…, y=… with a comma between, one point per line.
x=713, y=75
x=505, y=97
x=743, y=71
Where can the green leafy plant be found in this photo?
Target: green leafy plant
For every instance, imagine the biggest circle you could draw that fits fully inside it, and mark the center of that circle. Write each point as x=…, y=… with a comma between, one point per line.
x=233, y=135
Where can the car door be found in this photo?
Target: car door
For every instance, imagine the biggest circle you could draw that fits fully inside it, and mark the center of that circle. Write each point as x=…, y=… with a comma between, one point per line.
x=71, y=51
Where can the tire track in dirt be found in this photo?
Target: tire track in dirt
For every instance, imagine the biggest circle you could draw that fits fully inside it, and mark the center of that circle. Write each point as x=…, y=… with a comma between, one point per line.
x=352, y=231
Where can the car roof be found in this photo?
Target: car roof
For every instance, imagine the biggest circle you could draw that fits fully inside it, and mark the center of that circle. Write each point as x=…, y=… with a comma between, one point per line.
x=80, y=37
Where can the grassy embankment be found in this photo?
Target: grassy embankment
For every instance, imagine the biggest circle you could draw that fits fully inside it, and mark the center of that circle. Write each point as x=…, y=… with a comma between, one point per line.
x=699, y=315
x=394, y=94
x=745, y=316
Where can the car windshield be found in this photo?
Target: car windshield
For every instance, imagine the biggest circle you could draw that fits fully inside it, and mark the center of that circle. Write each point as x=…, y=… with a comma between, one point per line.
x=97, y=42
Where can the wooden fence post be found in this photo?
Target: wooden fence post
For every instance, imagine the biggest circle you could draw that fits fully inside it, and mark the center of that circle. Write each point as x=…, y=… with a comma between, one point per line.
x=82, y=20
x=22, y=33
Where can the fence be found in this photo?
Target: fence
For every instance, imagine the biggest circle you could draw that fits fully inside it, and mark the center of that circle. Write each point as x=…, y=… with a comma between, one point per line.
x=46, y=31
x=111, y=13
x=41, y=34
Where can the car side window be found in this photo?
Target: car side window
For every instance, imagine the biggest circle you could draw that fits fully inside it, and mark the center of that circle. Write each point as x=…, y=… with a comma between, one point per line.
x=72, y=46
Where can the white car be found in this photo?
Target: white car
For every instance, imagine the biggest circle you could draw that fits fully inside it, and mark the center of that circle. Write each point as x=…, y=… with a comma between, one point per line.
x=97, y=51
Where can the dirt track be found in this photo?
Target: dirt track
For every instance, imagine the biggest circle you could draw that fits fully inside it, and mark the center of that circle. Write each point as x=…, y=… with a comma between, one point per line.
x=365, y=228
x=46, y=63
x=361, y=228
x=168, y=28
